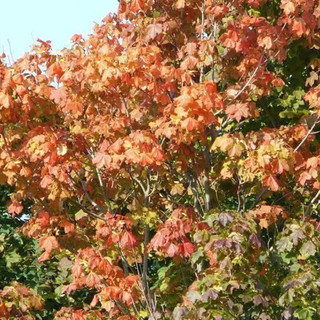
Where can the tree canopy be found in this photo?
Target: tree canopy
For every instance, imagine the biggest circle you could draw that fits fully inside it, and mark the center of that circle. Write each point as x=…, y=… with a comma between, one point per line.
x=167, y=166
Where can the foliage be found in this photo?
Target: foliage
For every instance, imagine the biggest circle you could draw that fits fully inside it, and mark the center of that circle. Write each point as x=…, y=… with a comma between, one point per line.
x=170, y=164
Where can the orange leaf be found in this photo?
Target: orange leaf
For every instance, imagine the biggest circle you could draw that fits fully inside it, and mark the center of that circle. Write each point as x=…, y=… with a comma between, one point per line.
x=48, y=243
x=271, y=181
x=15, y=208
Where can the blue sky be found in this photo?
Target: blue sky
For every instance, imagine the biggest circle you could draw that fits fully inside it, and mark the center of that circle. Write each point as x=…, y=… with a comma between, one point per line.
x=24, y=21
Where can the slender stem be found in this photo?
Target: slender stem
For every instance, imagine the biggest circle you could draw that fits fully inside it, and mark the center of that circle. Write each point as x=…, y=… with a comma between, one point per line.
x=307, y=135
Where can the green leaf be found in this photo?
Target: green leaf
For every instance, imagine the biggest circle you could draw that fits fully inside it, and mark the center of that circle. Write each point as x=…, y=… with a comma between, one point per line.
x=308, y=249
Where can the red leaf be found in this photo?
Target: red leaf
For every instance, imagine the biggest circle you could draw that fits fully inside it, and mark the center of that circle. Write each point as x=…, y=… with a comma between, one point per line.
x=238, y=111
x=157, y=241
x=128, y=239
x=187, y=249
x=44, y=257
x=172, y=250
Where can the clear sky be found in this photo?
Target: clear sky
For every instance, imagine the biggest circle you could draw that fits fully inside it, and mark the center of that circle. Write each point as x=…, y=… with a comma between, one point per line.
x=24, y=21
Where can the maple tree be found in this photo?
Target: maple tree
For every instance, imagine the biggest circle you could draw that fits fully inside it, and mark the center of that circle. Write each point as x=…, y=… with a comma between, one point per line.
x=171, y=161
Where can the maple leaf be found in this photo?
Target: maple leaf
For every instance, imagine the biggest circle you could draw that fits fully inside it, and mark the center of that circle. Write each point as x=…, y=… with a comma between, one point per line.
x=229, y=39
x=189, y=63
x=266, y=42
x=112, y=292
x=299, y=27
x=288, y=7
x=312, y=78
x=153, y=30
x=76, y=270
x=127, y=298
x=187, y=249
x=304, y=177
x=101, y=159
x=93, y=280
x=48, y=243
x=74, y=107
x=137, y=5
x=76, y=38
x=15, y=208
x=55, y=70
x=5, y=100
x=59, y=95
x=238, y=111
x=190, y=124
x=46, y=181
x=43, y=218
x=68, y=226
x=128, y=240
x=235, y=150
x=271, y=181
x=158, y=241
x=172, y=250
x=177, y=189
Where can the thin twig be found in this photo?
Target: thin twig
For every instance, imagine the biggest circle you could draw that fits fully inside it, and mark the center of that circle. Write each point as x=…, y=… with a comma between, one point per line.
x=307, y=135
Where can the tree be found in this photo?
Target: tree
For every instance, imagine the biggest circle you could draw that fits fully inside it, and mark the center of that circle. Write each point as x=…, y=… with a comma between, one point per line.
x=173, y=157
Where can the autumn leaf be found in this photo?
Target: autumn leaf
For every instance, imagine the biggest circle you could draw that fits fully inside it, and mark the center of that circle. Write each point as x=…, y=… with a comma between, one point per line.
x=93, y=280
x=189, y=63
x=271, y=181
x=288, y=7
x=75, y=108
x=15, y=208
x=128, y=240
x=5, y=100
x=137, y=5
x=153, y=30
x=59, y=95
x=238, y=111
x=177, y=189
x=180, y=4
x=48, y=243
x=172, y=250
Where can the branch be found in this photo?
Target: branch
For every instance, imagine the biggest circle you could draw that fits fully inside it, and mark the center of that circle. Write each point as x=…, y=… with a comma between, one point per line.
x=84, y=189
x=206, y=179
x=312, y=202
x=195, y=193
x=106, y=199
x=83, y=208
x=307, y=135
x=249, y=80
